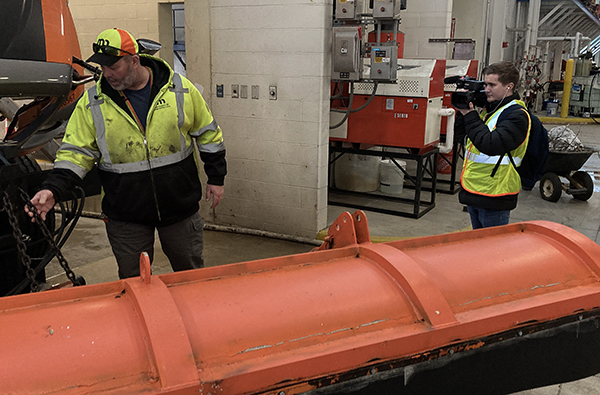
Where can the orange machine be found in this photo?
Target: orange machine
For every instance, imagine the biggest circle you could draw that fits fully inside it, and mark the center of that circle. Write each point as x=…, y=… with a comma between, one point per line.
x=41, y=79
x=403, y=114
x=38, y=58
x=440, y=314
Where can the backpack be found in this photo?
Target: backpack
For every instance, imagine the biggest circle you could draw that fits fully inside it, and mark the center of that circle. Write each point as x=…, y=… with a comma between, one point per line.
x=533, y=165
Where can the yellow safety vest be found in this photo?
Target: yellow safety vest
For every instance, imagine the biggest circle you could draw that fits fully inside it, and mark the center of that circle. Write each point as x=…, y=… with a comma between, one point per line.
x=478, y=167
x=148, y=176
x=101, y=131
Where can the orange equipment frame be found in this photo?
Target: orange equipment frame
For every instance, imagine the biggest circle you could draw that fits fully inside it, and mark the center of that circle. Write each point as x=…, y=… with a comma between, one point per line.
x=352, y=310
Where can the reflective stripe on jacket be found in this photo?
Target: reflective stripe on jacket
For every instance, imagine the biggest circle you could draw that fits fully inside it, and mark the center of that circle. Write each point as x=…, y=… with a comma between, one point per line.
x=148, y=176
x=478, y=168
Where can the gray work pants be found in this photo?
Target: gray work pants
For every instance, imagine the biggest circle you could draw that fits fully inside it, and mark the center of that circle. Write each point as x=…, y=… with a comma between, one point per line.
x=182, y=243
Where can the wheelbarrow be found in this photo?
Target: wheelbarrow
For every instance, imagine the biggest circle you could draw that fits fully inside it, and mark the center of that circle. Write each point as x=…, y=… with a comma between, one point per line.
x=566, y=165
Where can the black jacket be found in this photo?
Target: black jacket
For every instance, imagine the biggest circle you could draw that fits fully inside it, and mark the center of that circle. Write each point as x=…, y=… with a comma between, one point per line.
x=510, y=133
x=157, y=197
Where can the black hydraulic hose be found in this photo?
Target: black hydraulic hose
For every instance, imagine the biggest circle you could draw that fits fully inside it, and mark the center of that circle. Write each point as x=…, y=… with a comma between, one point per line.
x=339, y=93
x=77, y=209
x=88, y=67
x=361, y=107
x=347, y=111
x=368, y=101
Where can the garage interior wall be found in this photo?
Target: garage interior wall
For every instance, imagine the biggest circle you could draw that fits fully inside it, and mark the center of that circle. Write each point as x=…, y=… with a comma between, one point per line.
x=277, y=150
x=470, y=22
x=423, y=20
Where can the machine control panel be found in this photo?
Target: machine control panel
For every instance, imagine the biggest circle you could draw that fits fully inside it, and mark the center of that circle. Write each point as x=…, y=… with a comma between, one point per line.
x=384, y=62
x=348, y=9
x=346, y=62
x=388, y=9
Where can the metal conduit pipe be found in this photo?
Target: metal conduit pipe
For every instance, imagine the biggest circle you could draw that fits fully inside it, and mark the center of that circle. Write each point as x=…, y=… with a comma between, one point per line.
x=563, y=38
x=239, y=230
x=262, y=233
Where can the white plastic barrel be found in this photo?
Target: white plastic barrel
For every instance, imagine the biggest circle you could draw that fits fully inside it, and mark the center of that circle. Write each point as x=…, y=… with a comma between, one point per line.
x=391, y=179
x=358, y=173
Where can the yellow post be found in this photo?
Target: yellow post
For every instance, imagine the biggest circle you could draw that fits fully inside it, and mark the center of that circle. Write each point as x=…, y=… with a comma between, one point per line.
x=566, y=96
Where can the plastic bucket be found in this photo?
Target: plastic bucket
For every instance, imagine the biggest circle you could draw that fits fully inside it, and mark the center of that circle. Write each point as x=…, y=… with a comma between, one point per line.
x=551, y=109
x=358, y=173
x=391, y=179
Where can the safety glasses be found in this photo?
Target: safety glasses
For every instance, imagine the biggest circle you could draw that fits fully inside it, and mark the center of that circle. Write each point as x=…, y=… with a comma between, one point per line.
x=108, y=50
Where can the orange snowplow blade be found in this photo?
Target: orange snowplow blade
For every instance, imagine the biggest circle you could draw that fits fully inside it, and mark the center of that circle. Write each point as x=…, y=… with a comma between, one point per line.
x=291, y=324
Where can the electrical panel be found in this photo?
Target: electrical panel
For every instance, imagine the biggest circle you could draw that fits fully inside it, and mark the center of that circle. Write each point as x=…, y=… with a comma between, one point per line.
x=387, y=9
x=384, y=62
x=577, y=91
x=346, y=61
x=348, y=9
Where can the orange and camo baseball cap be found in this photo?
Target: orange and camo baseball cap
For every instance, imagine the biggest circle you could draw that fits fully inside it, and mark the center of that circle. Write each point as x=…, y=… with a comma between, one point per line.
x=111, y=45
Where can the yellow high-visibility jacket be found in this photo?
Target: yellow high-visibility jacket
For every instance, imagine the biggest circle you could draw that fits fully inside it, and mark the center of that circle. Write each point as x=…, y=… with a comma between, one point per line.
x=478, y=175
x=149, y=175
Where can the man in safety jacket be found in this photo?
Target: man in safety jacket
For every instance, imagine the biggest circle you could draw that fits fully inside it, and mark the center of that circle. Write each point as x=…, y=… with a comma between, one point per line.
x=490, y=182
x=138, y=125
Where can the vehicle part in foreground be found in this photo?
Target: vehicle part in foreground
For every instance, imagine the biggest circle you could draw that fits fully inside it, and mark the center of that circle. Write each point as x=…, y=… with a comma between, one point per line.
x=493, y=310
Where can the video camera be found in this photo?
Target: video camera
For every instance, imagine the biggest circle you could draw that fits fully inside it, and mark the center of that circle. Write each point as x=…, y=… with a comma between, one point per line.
x=474, y=92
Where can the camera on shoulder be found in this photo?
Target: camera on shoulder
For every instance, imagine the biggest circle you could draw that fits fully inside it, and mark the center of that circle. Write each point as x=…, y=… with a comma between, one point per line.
x=472, y=91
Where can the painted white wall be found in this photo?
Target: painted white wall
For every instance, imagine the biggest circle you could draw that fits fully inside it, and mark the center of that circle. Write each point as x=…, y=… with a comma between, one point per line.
x=276, y=149
x=139, y=17
x=423, y=20
x=470, y=22
x=500, y=15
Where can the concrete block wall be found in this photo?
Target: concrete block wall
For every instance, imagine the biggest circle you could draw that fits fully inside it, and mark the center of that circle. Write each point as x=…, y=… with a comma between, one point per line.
x=139, y=17
x=423, y=20
x=470, y=23
x=276, y=149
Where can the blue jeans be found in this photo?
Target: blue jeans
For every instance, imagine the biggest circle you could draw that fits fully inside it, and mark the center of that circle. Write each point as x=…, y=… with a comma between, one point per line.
x=181, y=242
x=485, y=218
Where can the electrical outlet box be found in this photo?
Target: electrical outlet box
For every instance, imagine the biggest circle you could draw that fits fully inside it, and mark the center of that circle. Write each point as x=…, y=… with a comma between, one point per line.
x=244, y=91
x=388, y=9
x=255, y=92
x=348, y=9
x=235, y=91
x=346, y=62
x=219, y=90
x=273, y=93
x=384, y=62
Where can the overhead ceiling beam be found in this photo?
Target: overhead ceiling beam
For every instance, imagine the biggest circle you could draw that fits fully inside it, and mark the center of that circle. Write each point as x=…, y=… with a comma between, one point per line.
x=559, y=20
x=552, y=12
x=587, y=12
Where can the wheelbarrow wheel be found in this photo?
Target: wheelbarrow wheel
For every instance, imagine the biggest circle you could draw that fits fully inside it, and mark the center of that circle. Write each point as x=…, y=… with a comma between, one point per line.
x=550, y=187
x=585, y=180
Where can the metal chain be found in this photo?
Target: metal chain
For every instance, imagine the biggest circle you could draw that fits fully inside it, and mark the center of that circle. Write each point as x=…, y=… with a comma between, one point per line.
x=48, y=236
x=36, y=286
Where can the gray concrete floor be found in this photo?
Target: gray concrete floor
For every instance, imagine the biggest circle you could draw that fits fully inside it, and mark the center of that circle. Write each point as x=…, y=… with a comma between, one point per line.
x=89, y=254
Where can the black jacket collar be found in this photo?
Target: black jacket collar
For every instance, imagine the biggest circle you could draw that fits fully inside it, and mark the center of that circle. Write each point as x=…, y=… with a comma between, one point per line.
x=160, y=74
x=495, y=105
